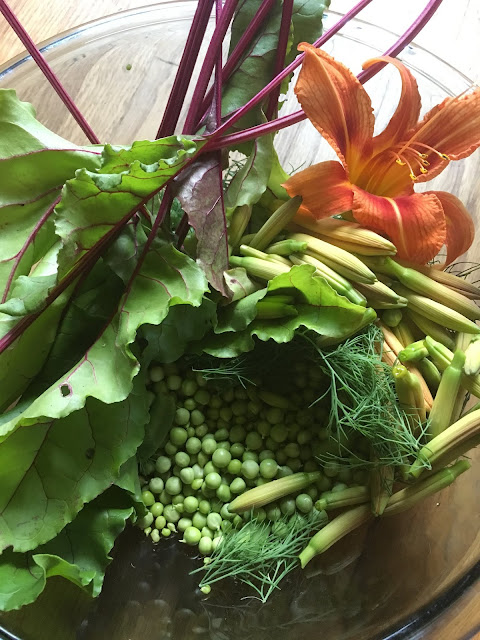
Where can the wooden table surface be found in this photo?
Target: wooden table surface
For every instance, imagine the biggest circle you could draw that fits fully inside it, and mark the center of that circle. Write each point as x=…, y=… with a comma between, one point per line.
x=453, y=34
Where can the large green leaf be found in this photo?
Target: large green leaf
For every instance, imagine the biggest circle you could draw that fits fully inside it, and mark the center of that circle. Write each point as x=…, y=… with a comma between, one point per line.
x=319, y=307
x=79, y=553
x=49, y=470
x=94, y=204
x=166, y=278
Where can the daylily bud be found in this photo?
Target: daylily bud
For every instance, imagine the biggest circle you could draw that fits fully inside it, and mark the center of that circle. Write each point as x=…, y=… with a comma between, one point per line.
x=276, y=223
x=444, y=402
x=350, y=232
x=430, y=374
x=286, y=247
x=432, y=329
x=448, y=279
x=250, y=252
x=381, y=484
x=379, y=292
x=472, y=359
x=437, y=312
x=392, y=317
x=238, y=223
x=335, y=280
x=259, y=268
x=340, y=499
x=413, y=352
x=342, y=261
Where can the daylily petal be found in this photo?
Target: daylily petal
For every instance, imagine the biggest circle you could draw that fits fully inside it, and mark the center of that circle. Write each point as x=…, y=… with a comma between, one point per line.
x=337, y=105
x=324, y=188
x=451, y=128
x=407, y=112
x=460, y=227
x=415, y=224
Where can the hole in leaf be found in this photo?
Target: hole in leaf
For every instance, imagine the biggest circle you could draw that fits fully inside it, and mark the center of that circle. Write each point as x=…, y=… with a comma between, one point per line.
x=89, y=453
x=65, y=390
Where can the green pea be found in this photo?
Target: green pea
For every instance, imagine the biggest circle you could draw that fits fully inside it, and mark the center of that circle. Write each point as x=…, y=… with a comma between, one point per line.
x=214, y=521
x=187, y=475
x=209, y=445
x=237, y=449
x=190, y=404
x=237, y=434
x=204, y=507
x=237, y=522
x=178, y=500
x=271, y=444
x=166, y=532
x=292, y=450
x=148, y=498
x=339, y=486
x=190, y=431
x=156, y=373
x=174, y=382
x=157, y=509
x=221, y=458
x=188, y=490
x=216, y=541
x=259, y=481
x=192, y=536
x=304, y=503
x=202, y=459
x=182, y=416
x=178, y=436
x=281, y=457
x=266, y=454
x=208, y=533
x=304, y=436
x=226, y=414
x=197, y=471
x=146, y=521
x=197, y=484
x=305, y=452
x=217, y=506
x=234, y=467
x=173, y=486
x=216, y=402
x=163, y=464
x=310, y=465
x=184, y=523
x=223, y=493
x=287, y=506
x=213, y=480
x=345, y=475
x=274, y=415
x=279, y=433
x=312, y=492
x=201, y=430
x=295, y=464
x=165, y=498
x=170, y=449
x=202, y=396
x=193, y=445
x=182, y=459
x=207, y=492
x=160, y=522
x=210, y=468
x=221, y=434
x=331, y=469
x=171, y=514
x=190, y=504
x=250, y=455
x=323, y=484
x=273, y=513
x=224, y=444
x=250, y=469
x=155, y=536
x=199, y=520
x=213, y=414
x=205, y=546
x=189, y=387
x=253, y=441
x=238, y=485
x=268, y=468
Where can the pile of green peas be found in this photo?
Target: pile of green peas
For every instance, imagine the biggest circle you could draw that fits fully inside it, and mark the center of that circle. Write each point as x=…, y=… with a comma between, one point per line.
x=227, y=440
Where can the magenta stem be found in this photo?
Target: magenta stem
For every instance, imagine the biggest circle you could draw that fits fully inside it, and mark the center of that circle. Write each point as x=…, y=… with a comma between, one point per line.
x=298, y=116
x=47, y=71
x=283, y=34
x=185, y=68
x=240, y=49
x=214, y=47
x=288, y=70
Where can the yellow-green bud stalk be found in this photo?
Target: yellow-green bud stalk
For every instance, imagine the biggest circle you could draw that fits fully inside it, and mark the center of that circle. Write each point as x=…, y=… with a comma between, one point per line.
x=379, y=292
x=247, y=239
x=430, y=374
x=432, y=329
x=335, y=280
x=408, y=497
x=472, y=358
x=404, y=334
x=381, y=485
x=269, y=310
x=458, y=435
x=238, y=223
x=422, y=284
x=437, y=312
x=392, y=317
x=259, y=268
x=334, y=531
x=444, y=402
x=341, y=261
x=414, y=352
x=271, y=491
x=286, y=247
x=410, y=395
x=460, y=285
x=454, y=453
x=276, y=223
x=442, y=357
x=356, y=248
x=250, y=252
x=349, y=232
x=340, y=499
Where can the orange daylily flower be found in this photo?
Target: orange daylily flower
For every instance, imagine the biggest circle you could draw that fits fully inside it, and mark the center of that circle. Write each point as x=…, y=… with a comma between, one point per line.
x=376, y=174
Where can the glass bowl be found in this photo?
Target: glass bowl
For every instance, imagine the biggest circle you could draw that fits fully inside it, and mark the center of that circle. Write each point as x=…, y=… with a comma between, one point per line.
x=391, y=581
